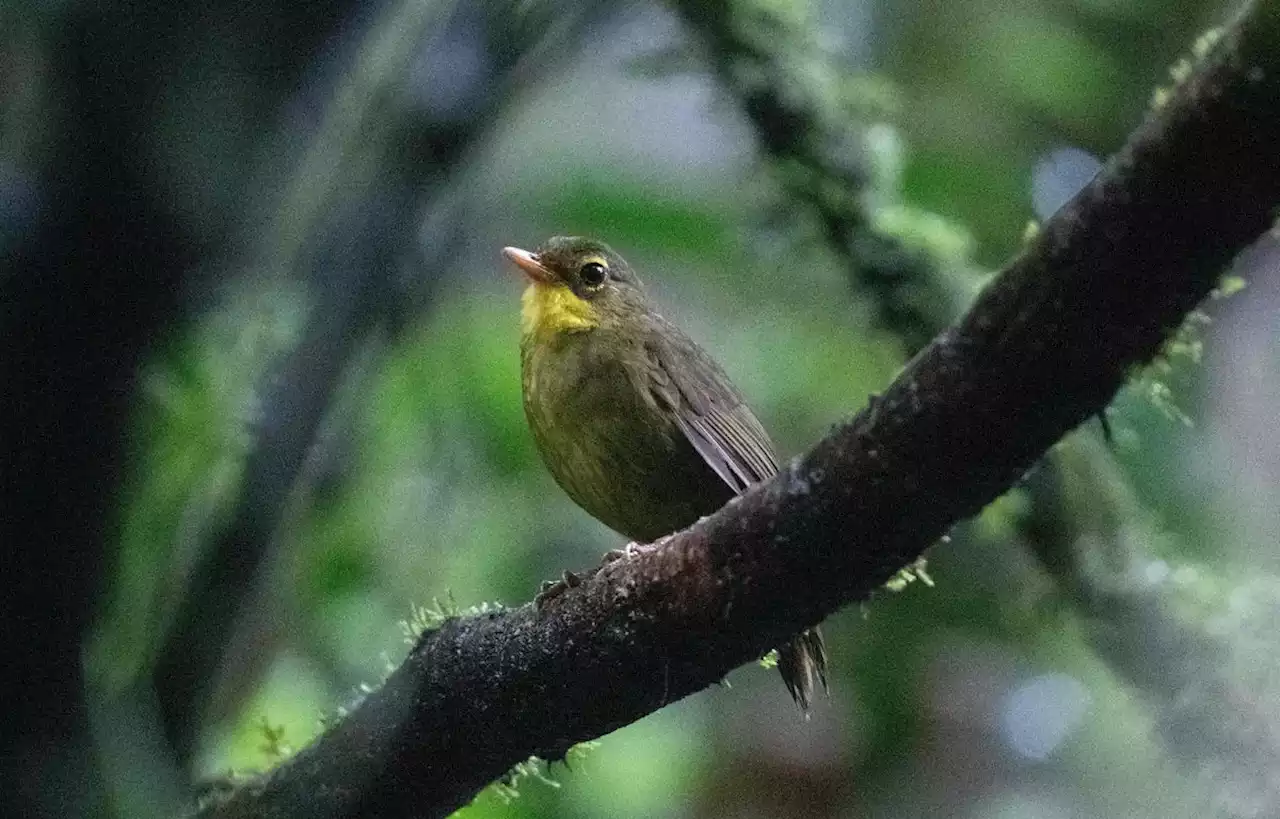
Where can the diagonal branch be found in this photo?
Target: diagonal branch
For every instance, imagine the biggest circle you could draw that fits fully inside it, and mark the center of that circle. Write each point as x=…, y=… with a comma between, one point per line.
x=771, y=64
x=1046, y=346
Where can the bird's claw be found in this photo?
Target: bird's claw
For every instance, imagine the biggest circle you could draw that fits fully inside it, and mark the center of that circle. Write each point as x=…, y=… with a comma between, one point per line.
x=552, y=589
x=614, y=555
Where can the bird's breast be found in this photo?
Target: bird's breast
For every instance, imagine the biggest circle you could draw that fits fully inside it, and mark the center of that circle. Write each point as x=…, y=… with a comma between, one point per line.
x=608, y=443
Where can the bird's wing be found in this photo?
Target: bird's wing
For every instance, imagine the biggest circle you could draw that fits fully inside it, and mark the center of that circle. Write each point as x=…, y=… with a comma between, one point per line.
x=709, y=410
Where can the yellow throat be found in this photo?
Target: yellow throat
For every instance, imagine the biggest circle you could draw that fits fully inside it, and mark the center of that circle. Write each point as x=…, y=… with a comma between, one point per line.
x=551, y=309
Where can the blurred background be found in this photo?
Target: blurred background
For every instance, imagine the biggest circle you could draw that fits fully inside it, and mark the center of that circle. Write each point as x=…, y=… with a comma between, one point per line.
x=262, y=389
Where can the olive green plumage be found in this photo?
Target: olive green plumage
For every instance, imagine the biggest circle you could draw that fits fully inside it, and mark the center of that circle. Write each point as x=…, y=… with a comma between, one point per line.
x=636, y=422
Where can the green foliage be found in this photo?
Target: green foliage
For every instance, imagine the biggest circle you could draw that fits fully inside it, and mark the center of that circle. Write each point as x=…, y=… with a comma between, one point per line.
x=1048, y=64
x=1000, y=520
x=962, y=185
x=283, y=713
x=919, y=229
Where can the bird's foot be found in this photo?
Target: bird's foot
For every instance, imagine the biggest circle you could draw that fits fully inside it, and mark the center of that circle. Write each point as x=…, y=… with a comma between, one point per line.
x=614, y=555
x=552, y=589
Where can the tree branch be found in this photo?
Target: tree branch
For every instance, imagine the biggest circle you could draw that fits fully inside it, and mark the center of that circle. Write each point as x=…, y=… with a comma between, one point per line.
x=1046, y=346
x=771, y=64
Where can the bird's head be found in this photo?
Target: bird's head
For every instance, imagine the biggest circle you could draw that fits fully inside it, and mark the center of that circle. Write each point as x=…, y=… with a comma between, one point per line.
x=575, y=285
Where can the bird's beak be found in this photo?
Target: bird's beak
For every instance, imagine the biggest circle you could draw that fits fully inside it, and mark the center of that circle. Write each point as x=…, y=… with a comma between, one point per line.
x=529, y=263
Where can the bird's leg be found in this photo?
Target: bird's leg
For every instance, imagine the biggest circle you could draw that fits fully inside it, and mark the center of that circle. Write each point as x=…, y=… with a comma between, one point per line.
x=552, y=589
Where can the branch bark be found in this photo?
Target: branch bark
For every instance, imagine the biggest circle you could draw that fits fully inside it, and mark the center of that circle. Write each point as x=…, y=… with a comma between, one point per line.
x=1083, y=523
x=1046, y=346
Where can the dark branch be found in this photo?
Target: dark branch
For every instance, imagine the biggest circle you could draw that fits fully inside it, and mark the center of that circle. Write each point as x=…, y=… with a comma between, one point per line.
x=1046, y=346
x=770, y=64
x=93, y=256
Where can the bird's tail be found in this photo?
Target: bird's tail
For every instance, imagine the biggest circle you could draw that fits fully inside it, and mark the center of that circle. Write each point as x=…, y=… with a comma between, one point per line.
x=802, y=660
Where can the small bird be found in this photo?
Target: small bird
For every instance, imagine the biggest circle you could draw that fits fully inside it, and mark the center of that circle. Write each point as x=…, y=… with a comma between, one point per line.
x=634, y=420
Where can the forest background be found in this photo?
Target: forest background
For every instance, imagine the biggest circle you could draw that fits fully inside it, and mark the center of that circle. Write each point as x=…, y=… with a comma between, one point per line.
x=302, y=419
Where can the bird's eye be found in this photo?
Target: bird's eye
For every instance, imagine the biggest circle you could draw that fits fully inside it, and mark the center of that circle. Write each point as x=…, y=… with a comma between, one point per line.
x=592, y=274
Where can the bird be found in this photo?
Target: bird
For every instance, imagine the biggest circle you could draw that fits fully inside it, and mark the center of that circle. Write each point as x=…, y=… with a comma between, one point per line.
x=636, y=422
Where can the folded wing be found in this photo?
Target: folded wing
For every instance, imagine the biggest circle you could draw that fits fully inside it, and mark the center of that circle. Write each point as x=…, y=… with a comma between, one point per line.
x=710, y=412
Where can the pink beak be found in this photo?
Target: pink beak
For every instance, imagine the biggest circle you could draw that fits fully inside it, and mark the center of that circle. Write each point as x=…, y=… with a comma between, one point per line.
x=528, y=262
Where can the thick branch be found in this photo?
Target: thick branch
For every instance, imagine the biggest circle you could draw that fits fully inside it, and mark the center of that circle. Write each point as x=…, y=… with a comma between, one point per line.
x=772, y=66
x=1046, y=346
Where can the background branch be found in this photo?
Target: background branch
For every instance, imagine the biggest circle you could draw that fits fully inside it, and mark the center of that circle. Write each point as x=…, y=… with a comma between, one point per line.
x=1046, y=346
x=806, y=112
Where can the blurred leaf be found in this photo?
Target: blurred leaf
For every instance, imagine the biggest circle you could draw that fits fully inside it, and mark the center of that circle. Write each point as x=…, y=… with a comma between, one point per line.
x=1049, y=64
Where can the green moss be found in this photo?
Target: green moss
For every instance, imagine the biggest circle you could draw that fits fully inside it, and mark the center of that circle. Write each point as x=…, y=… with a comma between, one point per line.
x=1182, y=68
x=1228, y=286
x=916, y=570
x=274, y=747
x=507, y=787
x=424, y=618
x=1160, y=394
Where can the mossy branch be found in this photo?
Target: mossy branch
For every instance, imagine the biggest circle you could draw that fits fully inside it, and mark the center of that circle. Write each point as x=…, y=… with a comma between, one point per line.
x=769, y=61
x=1045, y=346
x=808, y=114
